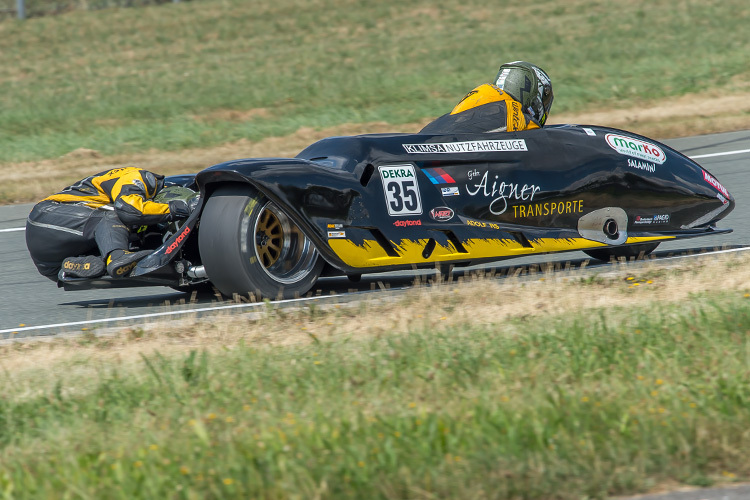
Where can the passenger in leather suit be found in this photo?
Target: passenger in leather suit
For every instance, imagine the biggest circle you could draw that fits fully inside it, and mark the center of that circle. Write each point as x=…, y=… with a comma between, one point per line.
x=97, y=213
x=519, y=99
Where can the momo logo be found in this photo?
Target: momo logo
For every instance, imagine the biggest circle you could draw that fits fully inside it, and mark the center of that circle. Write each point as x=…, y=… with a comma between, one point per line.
x=441, y=214
x=636, y=148
x=176, y=243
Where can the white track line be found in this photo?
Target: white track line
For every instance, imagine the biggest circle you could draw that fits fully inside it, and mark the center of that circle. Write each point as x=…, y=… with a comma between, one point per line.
x=260, y=304
x=12, y=229
x=716, y=252
x=740, y=151
x=160, y=314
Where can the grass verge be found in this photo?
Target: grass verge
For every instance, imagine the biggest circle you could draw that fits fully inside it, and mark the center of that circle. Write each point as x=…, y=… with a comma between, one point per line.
x=619, y=384
x=199, y=74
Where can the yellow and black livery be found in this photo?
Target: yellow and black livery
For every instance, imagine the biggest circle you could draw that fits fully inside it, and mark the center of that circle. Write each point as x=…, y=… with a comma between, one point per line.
x=129, y=190
x=383, y=202
x=485, y=109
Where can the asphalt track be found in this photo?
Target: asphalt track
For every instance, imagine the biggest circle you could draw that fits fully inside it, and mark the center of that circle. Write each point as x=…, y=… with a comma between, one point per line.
x=31, y=305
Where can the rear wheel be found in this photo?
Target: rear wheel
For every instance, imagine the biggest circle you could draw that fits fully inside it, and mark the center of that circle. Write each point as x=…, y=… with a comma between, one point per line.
x=628, y=252
x=248, y=245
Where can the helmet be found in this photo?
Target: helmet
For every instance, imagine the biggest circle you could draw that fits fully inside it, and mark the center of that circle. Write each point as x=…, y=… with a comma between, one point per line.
x=529, y=85
x=154, y=183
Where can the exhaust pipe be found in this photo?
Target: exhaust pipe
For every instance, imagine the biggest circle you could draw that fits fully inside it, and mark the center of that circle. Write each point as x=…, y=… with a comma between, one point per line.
x=606, y=225
x=610, y=229
x=197, y=272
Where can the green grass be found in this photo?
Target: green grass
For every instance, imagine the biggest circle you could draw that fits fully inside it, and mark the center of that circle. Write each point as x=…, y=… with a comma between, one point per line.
x=601, y=403
x=39, y=8
x=164, y=77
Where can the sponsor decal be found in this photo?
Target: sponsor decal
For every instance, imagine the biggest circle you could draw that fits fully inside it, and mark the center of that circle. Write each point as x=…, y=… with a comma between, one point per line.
x=450, y=191
x=548, y=208
x=711, y=180
x=636, y=148
x=589, y=132
x=176, y=243
x=516, y=116
x=501, y=192
x=126, y=269
x=723, y=200
x=652, y=219
x=438, y=176
x=467, y=146
x=335, y=226
x=640, y=165
x=407, y=223
x=476, y=223
x=640, y=219
x=401, y=189
x=337, y=234
x=76, y=266
x=441, y=214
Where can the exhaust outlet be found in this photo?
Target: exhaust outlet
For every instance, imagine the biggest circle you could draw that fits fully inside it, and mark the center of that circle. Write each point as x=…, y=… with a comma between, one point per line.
x=197, y=272
x=610, y=229
x=606, y=225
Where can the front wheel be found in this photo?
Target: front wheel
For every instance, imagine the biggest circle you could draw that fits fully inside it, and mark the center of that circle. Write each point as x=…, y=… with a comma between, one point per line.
x=630, y=251
x=248, y=245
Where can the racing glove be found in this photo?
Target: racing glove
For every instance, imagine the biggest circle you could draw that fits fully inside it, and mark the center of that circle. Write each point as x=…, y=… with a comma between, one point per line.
x=181, y=209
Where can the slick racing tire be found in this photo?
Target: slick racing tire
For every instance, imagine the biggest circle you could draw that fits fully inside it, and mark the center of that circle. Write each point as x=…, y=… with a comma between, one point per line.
x=251, y=248
x=627, y=252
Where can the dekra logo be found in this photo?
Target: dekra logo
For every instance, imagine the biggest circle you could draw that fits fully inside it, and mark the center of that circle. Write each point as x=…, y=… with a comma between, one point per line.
x=401, y=173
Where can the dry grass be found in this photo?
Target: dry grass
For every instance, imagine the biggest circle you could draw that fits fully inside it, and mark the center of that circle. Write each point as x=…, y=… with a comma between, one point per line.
x=678, y=117
x=477, y=301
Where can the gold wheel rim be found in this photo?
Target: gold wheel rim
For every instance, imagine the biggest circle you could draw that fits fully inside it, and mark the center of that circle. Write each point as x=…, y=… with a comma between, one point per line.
x=269, y=238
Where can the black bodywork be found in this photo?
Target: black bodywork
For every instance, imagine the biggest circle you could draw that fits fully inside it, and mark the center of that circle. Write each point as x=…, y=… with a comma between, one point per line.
x=382, y=202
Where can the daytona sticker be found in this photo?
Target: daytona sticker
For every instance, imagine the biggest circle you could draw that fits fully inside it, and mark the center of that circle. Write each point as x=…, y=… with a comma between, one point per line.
x=467, y=146
x=636, y=148
x=401, y=190
x=407, y=223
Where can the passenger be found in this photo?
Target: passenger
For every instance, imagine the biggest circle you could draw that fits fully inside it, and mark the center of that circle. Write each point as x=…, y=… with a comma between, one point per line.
x=98, y=213
x=519, y=99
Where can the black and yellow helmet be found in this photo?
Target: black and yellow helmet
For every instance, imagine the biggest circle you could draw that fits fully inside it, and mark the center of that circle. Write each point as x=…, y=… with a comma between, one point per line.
x=528, y=84
x=154, y=183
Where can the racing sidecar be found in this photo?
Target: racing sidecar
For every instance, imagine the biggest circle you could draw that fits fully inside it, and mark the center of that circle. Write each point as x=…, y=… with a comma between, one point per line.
x=372, y=203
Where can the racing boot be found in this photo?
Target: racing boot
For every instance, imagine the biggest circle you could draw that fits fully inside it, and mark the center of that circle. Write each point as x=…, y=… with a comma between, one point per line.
x=89, y=266
x=121, y=262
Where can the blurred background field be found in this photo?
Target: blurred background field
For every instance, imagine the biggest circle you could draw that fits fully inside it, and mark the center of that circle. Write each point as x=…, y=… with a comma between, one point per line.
x=208, y=72
x=25, y=9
